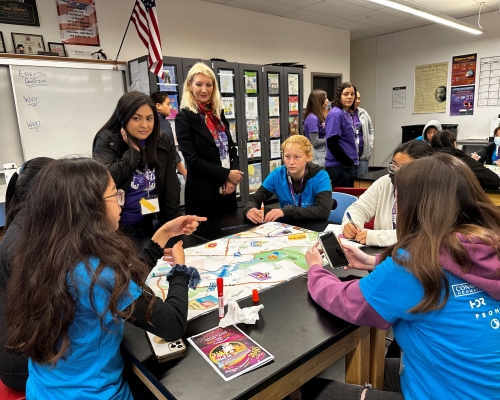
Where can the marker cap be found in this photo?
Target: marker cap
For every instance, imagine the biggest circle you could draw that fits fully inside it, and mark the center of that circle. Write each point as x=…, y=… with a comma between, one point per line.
x=255, y=295
x=220, y=287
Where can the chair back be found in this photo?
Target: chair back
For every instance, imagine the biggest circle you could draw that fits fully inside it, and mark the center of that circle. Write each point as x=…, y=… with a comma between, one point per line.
x=6, y=393
x=343, y=201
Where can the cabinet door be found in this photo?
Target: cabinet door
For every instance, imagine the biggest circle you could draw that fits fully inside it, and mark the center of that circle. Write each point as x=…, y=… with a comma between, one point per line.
x=226, y=74
x=275, y=118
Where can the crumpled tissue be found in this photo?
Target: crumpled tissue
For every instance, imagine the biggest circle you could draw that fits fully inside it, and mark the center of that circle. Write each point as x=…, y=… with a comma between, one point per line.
x=236, y=315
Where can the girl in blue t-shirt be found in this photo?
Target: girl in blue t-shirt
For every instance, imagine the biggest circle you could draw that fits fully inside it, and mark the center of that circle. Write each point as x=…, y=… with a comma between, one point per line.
x=302, y=187
x=314, y=124
x=78, y=278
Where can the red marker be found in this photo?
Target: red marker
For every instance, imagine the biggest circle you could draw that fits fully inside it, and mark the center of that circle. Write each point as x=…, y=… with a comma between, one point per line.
x=255, y=295
x=220, y=296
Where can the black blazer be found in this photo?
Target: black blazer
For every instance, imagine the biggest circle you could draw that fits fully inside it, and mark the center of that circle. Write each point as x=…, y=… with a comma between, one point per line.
x=205, y=174
x=486, y=153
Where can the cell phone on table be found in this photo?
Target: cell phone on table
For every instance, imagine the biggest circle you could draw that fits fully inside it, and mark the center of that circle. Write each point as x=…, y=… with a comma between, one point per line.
x=333, y=251
x=165, y=351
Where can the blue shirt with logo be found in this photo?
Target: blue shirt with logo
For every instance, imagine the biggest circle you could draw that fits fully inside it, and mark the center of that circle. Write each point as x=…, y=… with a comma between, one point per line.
x=276, y=182
x=450, y=353
x=93, y=367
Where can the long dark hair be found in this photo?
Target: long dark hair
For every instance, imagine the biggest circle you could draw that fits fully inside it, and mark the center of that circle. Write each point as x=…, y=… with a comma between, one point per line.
x=438, y=197
x=125, y=109
x=65, y=223
x=443, y=140
x=315, y=104
x=415, y=149
x=338, y=94
x=19, y=184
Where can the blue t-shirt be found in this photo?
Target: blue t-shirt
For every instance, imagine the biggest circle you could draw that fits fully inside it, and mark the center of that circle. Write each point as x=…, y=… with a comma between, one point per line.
x=339, y=123
x=276, y=182
x=93, y=367
x=449, y=353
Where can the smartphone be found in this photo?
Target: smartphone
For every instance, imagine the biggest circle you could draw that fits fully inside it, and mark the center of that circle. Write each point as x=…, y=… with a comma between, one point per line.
x=334, y=253
x=165, y=351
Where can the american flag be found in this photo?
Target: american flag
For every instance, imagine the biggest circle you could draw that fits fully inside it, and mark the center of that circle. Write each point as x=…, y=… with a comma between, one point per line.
x=146, y=22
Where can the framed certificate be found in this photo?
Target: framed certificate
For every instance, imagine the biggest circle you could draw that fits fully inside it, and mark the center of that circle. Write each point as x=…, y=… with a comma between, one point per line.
x=2, y=44
x=27, y=43
x=57, y=48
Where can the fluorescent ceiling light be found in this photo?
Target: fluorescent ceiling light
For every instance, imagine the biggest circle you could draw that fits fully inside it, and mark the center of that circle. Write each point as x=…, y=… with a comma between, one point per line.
x=444, y=20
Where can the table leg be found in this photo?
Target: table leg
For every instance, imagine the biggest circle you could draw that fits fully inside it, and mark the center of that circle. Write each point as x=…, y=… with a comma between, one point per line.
x=377, y=357
x=357, y=362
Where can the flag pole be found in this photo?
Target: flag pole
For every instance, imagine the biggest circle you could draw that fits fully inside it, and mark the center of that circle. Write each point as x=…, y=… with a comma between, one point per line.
x=123, y=39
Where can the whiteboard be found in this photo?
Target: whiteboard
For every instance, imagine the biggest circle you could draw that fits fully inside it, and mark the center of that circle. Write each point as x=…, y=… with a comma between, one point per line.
x=59, y=110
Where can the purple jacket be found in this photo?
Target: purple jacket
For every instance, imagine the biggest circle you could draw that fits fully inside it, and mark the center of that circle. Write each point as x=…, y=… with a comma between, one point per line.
x=345, y=299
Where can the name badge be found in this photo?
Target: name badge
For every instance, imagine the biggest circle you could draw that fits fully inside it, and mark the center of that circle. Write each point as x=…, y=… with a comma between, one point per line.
x=225, y=163
x=149, y=205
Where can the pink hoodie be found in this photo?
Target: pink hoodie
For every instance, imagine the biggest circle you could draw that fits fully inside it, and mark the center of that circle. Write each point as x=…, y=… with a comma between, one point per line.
x=345, y=299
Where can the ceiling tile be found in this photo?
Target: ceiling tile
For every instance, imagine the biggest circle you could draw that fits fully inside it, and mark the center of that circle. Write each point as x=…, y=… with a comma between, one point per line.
x=338, y=9
x=215, y=1
x=364, y=3
x=356, y=36
x=444, y=5
x=353, y=26
x=310, y=16
x=468, y=11
x=401, y=26
x=374, y=31
x=296, y=3
x=400, y=14
x=493, y=4
x=260, y=6
x=376, y=18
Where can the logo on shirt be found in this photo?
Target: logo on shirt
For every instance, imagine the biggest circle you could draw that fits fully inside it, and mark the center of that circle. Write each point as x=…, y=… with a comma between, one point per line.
x=464, y=289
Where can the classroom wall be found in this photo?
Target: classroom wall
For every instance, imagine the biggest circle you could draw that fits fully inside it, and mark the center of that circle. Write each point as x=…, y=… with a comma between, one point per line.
x=397, y=54
x=196, y=29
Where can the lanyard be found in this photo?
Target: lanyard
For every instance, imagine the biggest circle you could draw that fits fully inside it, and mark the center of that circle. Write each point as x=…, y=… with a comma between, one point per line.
x=290, y=185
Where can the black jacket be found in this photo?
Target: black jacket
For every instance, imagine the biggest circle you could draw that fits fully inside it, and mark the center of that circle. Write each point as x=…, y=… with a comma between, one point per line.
x=205, y=174
x=487, y=179
x=486, y=153
x=110, y=149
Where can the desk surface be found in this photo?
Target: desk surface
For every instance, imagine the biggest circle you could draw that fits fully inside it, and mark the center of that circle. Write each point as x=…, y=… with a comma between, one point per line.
x=292, y=327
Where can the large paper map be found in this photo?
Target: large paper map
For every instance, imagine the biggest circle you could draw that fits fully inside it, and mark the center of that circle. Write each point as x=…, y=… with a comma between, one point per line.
x=259, y=258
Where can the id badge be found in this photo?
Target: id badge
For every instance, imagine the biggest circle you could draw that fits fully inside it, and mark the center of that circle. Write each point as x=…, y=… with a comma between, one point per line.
x=225, y=163
x=149, y=205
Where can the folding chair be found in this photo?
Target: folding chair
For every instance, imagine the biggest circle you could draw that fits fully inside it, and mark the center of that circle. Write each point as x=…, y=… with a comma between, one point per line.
x=342, y=200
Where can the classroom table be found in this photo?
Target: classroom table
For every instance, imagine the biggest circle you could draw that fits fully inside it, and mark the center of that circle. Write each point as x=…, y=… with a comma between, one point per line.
x=304, y=339
x=366, y=180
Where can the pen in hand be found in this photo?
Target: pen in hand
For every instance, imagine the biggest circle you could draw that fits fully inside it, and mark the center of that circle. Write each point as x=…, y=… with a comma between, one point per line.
x=351, y=221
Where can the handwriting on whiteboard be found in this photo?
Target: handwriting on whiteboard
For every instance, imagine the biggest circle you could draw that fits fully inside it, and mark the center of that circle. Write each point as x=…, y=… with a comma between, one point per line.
x=33, y=78
x=34, y=125
x=31, y=100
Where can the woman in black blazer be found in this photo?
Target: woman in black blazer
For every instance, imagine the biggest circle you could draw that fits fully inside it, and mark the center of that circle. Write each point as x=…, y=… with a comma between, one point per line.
x=206, y=143
x=489, y=153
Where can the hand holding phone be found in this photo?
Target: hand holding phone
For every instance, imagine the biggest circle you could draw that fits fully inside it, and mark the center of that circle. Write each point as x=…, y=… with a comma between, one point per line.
x=332, y=250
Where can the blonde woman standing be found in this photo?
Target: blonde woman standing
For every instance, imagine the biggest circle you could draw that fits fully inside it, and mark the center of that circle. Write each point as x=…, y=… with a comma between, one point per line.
x=205, y=141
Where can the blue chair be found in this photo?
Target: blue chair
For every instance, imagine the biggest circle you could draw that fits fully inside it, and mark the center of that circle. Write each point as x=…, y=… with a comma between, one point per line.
x=343, y=201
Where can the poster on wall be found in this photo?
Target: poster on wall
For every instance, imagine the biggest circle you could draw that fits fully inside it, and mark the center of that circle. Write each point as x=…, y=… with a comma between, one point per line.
x=399, y=97
x=463, y=70
x=430, y=88
x=78, y=22
x=489, y=82
x=462, y=100
x=19, y=12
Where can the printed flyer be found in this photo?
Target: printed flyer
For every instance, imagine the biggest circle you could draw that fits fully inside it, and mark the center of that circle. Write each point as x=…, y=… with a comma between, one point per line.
x=230, y=351
x=462, y=100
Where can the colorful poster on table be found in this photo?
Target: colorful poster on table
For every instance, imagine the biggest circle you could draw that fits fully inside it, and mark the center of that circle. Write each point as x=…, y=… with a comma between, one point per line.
x=462, y=100
x=229, y=351
x=430, y=88
x=19, y=12
x=463, y=70
x=78, y=22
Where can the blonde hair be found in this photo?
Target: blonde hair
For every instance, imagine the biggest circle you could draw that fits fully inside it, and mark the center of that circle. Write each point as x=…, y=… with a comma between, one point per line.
x=188, y=100
x=302, y=141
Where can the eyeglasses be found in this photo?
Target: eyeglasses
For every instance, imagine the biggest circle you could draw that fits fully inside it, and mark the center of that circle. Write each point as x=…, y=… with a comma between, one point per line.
x=392, y=168
x=120, y=196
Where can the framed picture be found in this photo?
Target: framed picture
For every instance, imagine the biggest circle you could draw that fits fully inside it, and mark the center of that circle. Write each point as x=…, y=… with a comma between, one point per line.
x=26, y=43
x=2, y=44
x=57, y=48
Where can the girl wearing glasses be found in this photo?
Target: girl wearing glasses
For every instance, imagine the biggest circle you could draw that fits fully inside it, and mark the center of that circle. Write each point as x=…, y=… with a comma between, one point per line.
x=78, y=278
x=141, y=159
x=379, y=201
